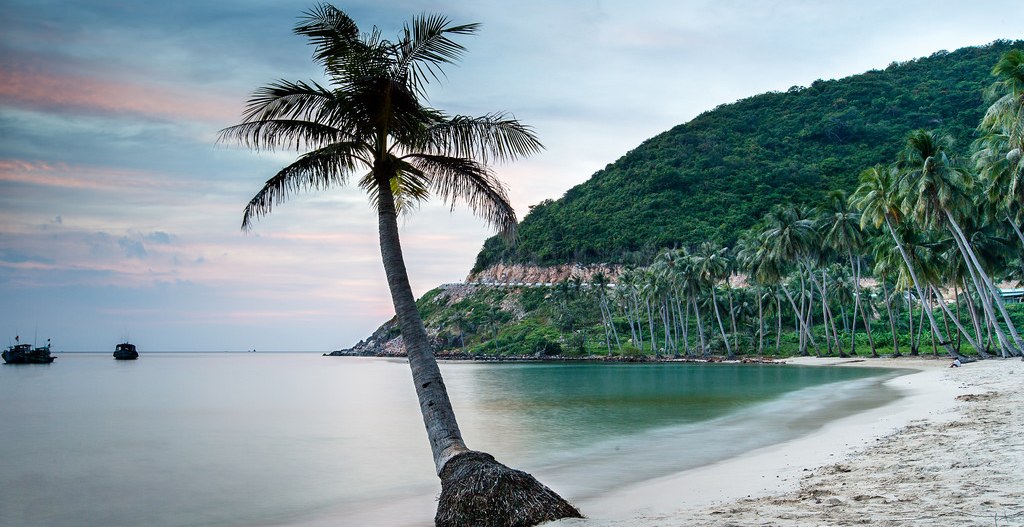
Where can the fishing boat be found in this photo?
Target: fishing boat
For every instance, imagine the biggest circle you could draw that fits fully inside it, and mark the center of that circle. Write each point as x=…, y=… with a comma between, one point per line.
x=26, y=354
x=125, y=351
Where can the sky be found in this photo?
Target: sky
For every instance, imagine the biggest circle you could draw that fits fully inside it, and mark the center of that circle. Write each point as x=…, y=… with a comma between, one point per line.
x=120, y=213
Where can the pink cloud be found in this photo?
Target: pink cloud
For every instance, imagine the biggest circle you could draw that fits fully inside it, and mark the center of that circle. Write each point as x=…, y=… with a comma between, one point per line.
x=55, y=92
x=67, y=176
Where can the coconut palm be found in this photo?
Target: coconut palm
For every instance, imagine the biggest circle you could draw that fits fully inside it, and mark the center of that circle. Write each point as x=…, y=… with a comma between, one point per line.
x=840, y=229
x=935, y=191
x=370, y=124
x=789, y=237
x=878, y=199
x=999, y=151
x=601, y=282
x=711, y=265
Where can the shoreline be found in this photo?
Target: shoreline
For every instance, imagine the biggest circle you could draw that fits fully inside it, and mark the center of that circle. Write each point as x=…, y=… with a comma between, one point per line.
x=887, y=466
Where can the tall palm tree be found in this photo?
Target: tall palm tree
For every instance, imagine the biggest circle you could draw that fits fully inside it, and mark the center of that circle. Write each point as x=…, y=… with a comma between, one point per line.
x=935, y=193
x=790, y=239
x=878, y=199
x=999, y=151
x=840, y=229
x=371, y=124
x=711, y=265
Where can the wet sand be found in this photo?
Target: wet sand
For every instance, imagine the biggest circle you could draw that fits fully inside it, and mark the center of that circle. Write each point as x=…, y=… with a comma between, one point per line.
x=950, y=452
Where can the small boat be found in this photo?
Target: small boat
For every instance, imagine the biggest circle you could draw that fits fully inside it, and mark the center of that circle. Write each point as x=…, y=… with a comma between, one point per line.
x=125, y=351
x=26, y=354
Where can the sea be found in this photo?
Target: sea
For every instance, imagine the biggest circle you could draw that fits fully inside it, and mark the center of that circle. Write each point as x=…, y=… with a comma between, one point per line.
x=299, y=439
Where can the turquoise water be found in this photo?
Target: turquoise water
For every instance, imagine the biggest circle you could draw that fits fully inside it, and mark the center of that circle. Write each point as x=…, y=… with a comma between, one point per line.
x=305, y=440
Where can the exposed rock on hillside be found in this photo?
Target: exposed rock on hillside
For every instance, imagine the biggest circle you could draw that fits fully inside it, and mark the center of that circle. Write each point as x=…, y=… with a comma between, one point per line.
x=532, y=274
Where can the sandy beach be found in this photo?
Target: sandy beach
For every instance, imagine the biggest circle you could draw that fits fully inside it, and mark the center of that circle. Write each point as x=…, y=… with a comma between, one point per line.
x=949, y=452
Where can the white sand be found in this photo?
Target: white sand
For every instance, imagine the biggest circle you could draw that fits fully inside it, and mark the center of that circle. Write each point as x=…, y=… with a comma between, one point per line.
x=951, y=452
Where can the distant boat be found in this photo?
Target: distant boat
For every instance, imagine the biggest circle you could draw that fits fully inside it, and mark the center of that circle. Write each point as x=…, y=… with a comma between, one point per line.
x=26, y=354
x=125, y=351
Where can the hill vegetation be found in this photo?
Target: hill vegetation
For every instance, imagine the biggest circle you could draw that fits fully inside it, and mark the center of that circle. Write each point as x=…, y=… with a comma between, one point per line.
x=717, y=175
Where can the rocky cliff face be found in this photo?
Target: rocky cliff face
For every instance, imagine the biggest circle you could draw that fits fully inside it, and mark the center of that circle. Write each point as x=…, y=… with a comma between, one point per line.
x=533, y=274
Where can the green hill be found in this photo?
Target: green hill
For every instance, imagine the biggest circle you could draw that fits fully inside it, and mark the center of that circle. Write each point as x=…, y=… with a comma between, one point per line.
x=716, y=175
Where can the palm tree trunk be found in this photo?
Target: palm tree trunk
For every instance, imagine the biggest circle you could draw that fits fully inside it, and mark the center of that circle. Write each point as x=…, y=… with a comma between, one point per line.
x=996, y=294
x=721, y=327
x=438, y=416
x=1016, y=229
x=910, y=324
x=973, y=311
x=892, y=319
x=979, y=274
x=732, y=318
x=917, y=285
x=799, y=318
x=700, y=327
x=650, y=327
x=963, y=332
x=867, y=328
x=686, y=326
x=760, y=322
x=778, y=324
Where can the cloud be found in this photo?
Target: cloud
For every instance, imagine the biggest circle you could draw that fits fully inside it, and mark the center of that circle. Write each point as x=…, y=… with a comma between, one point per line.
x=56, y=92
x=62, y=175
x=132, y=248
x=159, y=237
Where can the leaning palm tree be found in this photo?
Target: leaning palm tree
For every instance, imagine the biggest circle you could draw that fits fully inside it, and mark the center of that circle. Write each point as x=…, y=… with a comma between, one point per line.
x=878, y=199
x=999, y=151
x=371, y=124
x=935, y=193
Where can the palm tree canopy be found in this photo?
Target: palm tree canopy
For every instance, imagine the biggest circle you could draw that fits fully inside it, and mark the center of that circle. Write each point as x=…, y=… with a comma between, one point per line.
x=789, y=233
x=876, y=196
x=371, y=122
x=839, y=224
x=999, y=152
x=931, y=184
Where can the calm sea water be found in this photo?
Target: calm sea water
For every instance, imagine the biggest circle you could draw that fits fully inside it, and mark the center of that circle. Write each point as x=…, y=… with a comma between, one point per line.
x=304, y=440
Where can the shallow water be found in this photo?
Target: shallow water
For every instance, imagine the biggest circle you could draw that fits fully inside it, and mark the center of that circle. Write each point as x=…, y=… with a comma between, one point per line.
x=300, y=439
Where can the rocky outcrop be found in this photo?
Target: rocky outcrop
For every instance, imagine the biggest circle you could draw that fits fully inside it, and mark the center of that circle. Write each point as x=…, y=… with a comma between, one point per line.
x=385, y=342
x=533, y=274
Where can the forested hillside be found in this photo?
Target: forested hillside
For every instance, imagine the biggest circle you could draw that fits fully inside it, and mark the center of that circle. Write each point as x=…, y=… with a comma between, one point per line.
x=715, y=176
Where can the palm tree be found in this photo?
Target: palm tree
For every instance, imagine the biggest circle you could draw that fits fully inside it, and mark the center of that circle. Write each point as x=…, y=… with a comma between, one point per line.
x=935, y=192
x=999, y=152
x=601, y=283
x=789, y=237
x=841, y=231
x=371, y=123
x=879, y=203
x=711, y=265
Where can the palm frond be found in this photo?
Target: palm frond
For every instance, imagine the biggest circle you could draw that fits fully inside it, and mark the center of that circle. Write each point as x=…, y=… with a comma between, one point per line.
x=286, y=114
x=287, y=100
x=495, y=137
x=330, y=31
x=316, y=170
x=460, y=179
x=426, y=46
x=271, y=135
x=409, y=185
